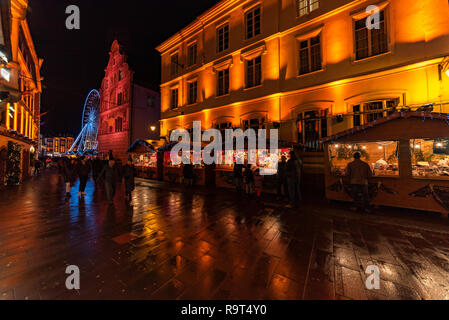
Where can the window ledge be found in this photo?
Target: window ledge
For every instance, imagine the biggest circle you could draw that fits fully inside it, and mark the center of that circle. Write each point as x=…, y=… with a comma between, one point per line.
x=254, y=87
x=371, y=58
x=310, y=73
x=223, y=95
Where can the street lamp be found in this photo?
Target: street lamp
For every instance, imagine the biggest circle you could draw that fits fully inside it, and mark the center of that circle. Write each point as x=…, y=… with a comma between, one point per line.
x=153, y=128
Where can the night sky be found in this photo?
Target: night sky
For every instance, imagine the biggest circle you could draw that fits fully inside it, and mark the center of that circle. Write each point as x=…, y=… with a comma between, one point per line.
x=74, y=60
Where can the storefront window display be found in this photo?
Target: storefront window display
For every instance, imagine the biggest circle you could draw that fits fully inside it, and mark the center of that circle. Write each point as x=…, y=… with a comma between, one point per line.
x=382, y=156
x=265, y=160
x=148, y=160
x=193, y=158
x=430, y=158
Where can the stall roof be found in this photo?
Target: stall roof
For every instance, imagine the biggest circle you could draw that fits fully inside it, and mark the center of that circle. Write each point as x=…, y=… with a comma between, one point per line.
x=140, y=143
x=397, y=115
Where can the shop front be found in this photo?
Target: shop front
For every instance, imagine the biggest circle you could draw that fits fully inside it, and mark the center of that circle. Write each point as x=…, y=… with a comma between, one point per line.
x=144, y=158
x=408, y=154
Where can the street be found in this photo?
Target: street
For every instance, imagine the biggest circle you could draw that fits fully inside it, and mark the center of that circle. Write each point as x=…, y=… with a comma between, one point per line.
x=199, y=243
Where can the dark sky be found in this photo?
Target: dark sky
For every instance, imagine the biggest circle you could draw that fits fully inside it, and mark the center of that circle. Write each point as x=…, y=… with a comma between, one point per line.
x=74, y=60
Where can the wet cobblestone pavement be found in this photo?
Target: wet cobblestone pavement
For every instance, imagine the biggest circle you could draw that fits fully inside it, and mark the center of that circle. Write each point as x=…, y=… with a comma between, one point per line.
x=176, y=243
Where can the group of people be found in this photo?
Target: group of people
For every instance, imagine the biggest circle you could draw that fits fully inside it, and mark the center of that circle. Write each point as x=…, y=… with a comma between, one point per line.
x=288, y=179
x=110, y=171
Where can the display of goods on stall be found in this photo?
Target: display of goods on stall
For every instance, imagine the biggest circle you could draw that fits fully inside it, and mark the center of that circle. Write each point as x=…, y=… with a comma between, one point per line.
x=382, y=156
x=144, y=158
x=430, y=157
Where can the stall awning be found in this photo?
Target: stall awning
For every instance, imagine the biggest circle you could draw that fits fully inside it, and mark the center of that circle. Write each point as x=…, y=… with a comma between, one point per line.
x=140, y=146
x=424, y=115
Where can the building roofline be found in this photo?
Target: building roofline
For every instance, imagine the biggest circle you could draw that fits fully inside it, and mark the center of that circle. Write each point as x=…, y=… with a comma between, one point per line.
x=194, y=25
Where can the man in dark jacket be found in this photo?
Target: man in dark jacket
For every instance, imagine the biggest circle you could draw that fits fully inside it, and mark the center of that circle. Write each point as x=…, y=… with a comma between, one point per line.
x=69, y=174
x=83, y=170
x=359, y=173
x=109, y=175
x=129, y=173
x=292, y=173
x=238, y=176
x=281, y=178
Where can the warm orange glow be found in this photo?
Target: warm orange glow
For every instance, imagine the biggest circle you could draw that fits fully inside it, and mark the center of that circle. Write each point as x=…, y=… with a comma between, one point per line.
x=15, y=116
x=7, y=116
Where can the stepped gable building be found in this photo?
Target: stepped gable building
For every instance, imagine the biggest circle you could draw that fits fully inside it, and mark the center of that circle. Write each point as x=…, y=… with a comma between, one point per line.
x=128, y=110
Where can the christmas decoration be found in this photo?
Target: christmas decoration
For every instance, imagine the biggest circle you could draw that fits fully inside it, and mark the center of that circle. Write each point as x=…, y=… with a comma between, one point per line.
x=13, y=171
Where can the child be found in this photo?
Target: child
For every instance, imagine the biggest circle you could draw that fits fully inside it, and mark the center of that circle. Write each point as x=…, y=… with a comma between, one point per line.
x=258, y=183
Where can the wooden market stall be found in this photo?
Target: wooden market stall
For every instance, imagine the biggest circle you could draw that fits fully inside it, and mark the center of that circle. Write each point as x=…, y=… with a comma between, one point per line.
x=173, y=173
x=408, y=153
x=224, y=175
x=144, y=158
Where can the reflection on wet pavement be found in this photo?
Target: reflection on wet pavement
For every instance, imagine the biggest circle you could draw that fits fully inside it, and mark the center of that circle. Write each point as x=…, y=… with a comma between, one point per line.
x=175, y=243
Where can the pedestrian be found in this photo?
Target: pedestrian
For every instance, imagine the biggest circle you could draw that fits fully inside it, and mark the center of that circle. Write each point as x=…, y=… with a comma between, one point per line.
x=69, y=174
x=188, y=173
x=292, y=175
x=37, y=167
x=281, y=179
x=83, y=170
x=238, y=176
x=299, y=167
x=258, y=183
x=129, y=173
x=249, y=180
x=109, y=175
x=359, y=172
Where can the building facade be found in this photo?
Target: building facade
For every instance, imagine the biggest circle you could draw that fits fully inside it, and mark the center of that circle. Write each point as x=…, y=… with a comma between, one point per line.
x=128, y=111
x=56, y=146
x=20, y=91
x=311, y=68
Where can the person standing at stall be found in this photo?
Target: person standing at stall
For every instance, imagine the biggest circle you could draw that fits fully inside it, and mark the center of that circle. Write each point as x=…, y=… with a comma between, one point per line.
x=249, y=180
x=359, y=172
x=238, y=176
x=281, y=178
x=292, y=173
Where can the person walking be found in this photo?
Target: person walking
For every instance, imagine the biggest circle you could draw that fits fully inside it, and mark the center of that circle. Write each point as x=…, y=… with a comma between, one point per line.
x=258, y=183
x=249, y=180
x=83, y=170
x=129, y=173
x=281, y=179
x=109, y=175
x=238, y=176
x=359, y=172
x=292, y=179
x=69, y=174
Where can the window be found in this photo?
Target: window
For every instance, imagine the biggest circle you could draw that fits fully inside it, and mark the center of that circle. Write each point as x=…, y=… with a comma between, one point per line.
x=150, y=101
x=106, y=84
x=310, y=55
x=120, y=75
x=254, y=72
x=192, y=54
x=119, y=124
x=223, y=82
x=370, y=111
x=174, y=98
x=223, y=38
x=174, y=67
x=222, y=127
x=120, y=99
x=372, y=42
x=254, y=123
x=304, y=7
x=193, y=92
x=252, y=20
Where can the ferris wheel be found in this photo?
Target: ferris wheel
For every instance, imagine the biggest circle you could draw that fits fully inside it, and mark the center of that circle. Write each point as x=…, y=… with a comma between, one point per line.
x=87, y=140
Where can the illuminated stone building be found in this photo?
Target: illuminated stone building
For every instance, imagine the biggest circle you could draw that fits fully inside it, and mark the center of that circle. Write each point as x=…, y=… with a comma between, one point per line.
x=128, y=111
x=56, y=146
x=20, y=88
x=311, y=68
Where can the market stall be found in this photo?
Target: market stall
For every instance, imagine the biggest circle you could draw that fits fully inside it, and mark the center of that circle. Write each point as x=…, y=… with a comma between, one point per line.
x=408, y=153
x=174, y=172
x=265, y=160
x=144, y=158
